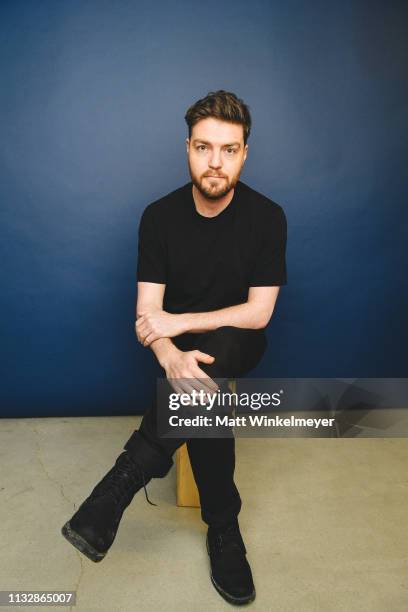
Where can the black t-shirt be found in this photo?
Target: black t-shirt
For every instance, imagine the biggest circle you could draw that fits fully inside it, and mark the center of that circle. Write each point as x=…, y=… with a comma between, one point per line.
x=209, y=263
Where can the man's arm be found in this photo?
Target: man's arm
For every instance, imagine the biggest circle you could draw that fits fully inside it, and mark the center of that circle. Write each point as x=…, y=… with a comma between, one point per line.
x=181, y=367
x=149, y=300
x=253, y=314
x=157, y=324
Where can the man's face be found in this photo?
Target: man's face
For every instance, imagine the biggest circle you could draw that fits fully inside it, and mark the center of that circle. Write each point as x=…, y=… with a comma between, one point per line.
x=216, y=154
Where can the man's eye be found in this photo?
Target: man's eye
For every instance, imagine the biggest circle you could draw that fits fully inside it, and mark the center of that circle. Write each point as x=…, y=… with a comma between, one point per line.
x=201, y=147
x=230, y=151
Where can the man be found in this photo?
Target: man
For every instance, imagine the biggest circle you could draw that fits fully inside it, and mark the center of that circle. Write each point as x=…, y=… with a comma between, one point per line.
x=211, y=262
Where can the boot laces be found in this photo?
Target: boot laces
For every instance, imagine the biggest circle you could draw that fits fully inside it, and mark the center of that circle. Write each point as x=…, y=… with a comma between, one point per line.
x=123, y=480
x=229, y=539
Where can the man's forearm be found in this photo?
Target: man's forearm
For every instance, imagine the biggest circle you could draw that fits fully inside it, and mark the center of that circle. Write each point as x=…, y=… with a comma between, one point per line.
x=162, y=348
x=253, y=314
x=247, y=315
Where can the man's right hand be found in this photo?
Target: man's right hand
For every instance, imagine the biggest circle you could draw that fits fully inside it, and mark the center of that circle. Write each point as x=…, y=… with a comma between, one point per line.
x=185, y=375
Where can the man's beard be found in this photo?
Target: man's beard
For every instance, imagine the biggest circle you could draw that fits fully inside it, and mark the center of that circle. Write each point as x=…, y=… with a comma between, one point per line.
x=220, y=187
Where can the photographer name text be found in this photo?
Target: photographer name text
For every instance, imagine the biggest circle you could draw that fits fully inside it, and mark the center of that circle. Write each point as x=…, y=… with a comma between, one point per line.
x=251, y=420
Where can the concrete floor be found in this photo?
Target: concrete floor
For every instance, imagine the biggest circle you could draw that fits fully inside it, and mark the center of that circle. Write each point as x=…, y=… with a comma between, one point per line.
x=324, y=522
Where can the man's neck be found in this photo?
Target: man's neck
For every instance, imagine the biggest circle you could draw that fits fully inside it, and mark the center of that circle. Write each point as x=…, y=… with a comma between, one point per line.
x=211, y=208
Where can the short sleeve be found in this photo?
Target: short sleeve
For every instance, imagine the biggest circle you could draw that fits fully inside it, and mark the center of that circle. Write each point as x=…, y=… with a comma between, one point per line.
x=151, y=264
x=270, y=263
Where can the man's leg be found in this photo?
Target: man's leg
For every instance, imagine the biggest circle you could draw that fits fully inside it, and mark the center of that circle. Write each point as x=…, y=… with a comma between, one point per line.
x=93, y=527
x=236, y=352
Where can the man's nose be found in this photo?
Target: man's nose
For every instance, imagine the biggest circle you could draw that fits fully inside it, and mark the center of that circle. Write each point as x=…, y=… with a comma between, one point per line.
x=215, y=160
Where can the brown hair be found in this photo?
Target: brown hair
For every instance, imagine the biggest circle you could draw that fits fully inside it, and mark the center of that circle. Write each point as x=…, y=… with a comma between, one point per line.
x=222, y=105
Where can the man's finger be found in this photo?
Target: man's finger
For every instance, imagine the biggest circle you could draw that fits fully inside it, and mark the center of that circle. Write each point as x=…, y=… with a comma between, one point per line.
x=194, y=385
x=141, y=336
x=149, y=339
x=204, y=357
x=142, y=327
x=202, y=386
x=145, y=331
x=185, y=387
x=175, y=383
x=207, y=380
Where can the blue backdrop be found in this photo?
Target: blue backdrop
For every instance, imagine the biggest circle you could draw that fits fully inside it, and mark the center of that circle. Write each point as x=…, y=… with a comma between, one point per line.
x=92, y=103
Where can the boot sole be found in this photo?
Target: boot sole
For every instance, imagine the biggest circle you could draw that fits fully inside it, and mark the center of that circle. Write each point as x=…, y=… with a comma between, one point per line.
x=80, y=544
x=237, y=601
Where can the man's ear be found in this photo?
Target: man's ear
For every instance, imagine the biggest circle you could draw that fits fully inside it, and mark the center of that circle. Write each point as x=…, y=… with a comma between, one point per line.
x=187, y=144
x=245, y=152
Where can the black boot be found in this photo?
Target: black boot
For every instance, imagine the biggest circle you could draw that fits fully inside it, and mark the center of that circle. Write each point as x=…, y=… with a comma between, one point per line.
x=230, y=571
x=93, y=527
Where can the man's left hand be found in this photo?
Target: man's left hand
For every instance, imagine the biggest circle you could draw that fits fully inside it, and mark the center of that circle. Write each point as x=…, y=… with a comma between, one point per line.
x=158, y=324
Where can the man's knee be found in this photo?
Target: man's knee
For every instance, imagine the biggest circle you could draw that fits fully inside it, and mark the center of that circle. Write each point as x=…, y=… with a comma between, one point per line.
x=231, y=347
x=234, y=336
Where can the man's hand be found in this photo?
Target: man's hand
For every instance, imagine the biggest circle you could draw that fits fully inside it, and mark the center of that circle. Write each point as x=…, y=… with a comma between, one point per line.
x=183, y=371
x=158, y=324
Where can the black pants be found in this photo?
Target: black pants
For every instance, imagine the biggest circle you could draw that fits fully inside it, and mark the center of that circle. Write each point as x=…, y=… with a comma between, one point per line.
x=236, y=352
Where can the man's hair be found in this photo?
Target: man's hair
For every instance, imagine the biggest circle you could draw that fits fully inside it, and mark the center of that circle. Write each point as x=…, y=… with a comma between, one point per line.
x=222, y=105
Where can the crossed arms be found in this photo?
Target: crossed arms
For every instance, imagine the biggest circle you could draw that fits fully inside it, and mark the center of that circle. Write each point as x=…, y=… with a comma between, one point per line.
x=154, y=323
x=154, y=327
